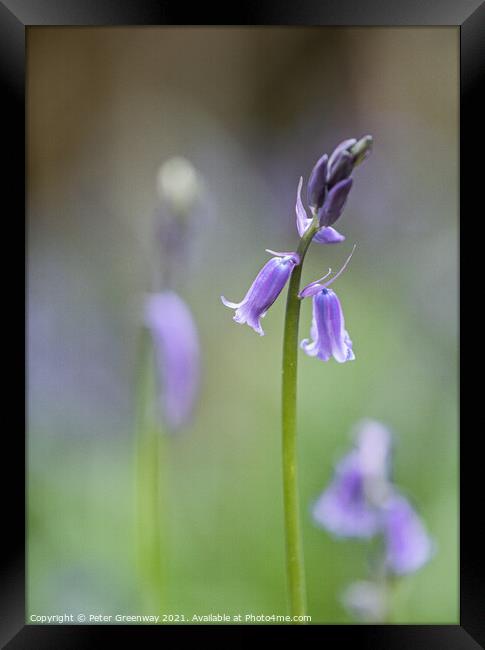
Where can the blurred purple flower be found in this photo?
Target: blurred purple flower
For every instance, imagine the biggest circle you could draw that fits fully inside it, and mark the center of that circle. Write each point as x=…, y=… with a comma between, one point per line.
x=349, y=507
x=366, y=600
x=361, y=501
x=177, y=355
x=267, y=286
x=408, y=546
x=343, y=508
x=330, y=338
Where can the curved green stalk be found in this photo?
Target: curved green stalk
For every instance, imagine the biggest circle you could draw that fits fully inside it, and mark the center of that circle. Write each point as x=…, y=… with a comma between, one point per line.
x=294, y=550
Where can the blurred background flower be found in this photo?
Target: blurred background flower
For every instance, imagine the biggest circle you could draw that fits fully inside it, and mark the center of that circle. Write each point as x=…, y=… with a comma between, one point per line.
x=252, y=109
x=362, y=501
x=177, y=353
x=174, y=334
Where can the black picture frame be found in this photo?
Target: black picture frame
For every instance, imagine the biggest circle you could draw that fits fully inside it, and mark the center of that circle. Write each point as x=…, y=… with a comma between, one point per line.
x=17, y=15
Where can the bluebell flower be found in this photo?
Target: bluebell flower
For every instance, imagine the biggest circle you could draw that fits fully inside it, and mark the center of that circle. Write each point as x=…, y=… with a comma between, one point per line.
x=351, y=505
x=408, y=546
x=177, y=355
x=267, y=286
x=343, y=508
x=362, y=501
x=329, y=338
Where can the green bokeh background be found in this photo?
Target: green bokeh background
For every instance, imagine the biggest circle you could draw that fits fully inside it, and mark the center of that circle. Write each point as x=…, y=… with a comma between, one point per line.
x=253, y=109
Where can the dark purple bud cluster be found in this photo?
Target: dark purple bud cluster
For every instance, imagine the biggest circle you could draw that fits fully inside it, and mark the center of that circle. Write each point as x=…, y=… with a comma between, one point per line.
x=330, y=181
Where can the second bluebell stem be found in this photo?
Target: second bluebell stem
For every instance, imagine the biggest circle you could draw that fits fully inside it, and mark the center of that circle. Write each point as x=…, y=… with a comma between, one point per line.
x=295, y=568
x=148, y=442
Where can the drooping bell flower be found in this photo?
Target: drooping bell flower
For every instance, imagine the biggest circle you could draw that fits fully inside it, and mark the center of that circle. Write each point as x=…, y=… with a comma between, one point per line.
x=267, y=286
x=177, y=355
x=343, y=508
x=329, y=338
x=408, y=546
x=351, y=505
x=362, y=501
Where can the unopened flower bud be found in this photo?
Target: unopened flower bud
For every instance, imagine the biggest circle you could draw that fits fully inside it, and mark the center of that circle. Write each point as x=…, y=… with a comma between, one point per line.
x=316, y=185
x=361, y=149
x=335, y=202
x=341, y=168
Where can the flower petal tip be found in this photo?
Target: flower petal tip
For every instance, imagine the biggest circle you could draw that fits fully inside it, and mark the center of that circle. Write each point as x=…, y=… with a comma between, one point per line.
x=228, y=303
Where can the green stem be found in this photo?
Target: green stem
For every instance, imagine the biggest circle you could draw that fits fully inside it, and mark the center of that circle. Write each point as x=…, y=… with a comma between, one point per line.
x=294, y=551
x=148, y=470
